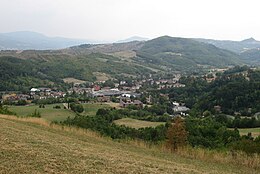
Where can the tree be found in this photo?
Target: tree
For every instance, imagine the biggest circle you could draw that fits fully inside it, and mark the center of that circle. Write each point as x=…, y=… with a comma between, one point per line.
x=21, y=102
x=109, y=83
x=77, y=107
x=35, y=114
x=177, y=134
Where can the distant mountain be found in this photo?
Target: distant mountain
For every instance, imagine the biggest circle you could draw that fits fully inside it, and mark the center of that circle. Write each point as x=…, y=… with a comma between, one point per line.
x=24, y=40
x=181, y=53
x=235, y=46
x=131, y=39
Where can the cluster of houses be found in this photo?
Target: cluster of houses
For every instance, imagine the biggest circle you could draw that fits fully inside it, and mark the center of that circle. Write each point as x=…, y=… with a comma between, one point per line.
x=34, y=94
x=15, y=97
x=162, y=83
x=44, y=93
x=126, y=94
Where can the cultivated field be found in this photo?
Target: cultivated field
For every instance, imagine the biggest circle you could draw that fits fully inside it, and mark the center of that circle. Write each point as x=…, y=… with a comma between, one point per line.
x=255, y=131
x=91, y=109
x=33, y=146
x=73, y=80
x=48, y=113
x=137, y=123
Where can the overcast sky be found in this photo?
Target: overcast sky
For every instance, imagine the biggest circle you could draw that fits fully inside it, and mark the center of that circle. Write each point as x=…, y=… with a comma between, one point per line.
x=119, y=19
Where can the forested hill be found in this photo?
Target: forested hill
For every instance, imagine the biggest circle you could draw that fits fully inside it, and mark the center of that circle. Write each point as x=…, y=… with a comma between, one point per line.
x=21, y=70
x=235, y=46
x=182, y=53
x=251, y=56
x=236, y=91
x=248, y=49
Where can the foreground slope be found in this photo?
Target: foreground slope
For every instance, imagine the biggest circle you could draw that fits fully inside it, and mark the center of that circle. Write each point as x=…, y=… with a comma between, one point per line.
x=28, y=147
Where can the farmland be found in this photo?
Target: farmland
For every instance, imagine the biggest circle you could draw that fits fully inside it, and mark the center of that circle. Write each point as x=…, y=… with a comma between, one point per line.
x=133, y=123
x=90, y=109
x=255, y=131
x=51, y=114
x=48, y=113
x=33, y=146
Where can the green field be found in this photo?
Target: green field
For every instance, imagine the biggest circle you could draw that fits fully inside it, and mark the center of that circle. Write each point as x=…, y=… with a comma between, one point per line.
x=255, y=131
x=91, y=109
x=51, y=114
x=32, y=146
x=47, y=113
x=134, y=123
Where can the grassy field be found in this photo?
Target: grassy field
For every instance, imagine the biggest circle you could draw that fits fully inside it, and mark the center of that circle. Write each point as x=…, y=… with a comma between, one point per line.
x=113, y=105
x=92, y=108
x=101, y=76
x=255, y=131
x=73, y=80
x=137, y=123
x=47, y=113
x=33, y=146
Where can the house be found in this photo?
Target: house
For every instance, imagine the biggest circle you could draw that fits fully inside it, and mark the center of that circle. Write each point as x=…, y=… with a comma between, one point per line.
x=96, y=87
x=180, y=109
x=123, y=82
x=103, y=99
x=178, y=85
x=217, y=108
x=35, y=90
x=127, y=102
x=126, y=95
x=175, y=103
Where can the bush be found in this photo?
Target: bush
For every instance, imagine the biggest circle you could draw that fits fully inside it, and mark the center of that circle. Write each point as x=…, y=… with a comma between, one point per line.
x=21, y=102
x=56, y=107
x=77, y=107
x=35, y=114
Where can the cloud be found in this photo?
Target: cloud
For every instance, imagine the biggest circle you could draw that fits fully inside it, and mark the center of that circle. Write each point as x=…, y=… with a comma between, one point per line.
x=117, y=19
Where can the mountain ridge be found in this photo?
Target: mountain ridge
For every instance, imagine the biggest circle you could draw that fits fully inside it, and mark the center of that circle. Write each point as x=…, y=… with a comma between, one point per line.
x=138, y=58
x=235, y=46
x=27, y=40
x=131, y=39
x=184, y=53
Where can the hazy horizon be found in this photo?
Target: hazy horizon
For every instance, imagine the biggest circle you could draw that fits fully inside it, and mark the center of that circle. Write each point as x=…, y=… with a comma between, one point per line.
x=113, y=20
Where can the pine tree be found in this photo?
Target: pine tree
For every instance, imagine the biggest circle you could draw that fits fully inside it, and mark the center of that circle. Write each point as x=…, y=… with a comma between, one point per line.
x=177, y=134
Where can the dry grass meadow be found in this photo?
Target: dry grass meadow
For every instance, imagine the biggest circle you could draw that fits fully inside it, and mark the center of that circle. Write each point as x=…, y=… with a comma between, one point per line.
x=32, y=145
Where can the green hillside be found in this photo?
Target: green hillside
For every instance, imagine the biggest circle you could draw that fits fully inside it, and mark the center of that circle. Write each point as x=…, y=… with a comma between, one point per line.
x=252, y=56
x=184, y=54
x=44, y=70
x=33, y=146
x=21, y=70
x=234, y=46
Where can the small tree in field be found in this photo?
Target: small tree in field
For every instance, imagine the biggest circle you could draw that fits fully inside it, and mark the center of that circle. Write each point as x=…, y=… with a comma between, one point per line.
x=177, y=134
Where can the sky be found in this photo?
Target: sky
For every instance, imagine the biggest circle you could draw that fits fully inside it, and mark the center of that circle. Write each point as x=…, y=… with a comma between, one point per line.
x=111, y=20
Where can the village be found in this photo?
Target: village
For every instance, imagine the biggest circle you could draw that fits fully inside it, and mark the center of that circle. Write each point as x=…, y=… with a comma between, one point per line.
x=124, y=93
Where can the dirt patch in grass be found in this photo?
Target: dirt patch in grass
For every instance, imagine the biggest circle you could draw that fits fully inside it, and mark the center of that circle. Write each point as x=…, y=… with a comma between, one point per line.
x=101, y=76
